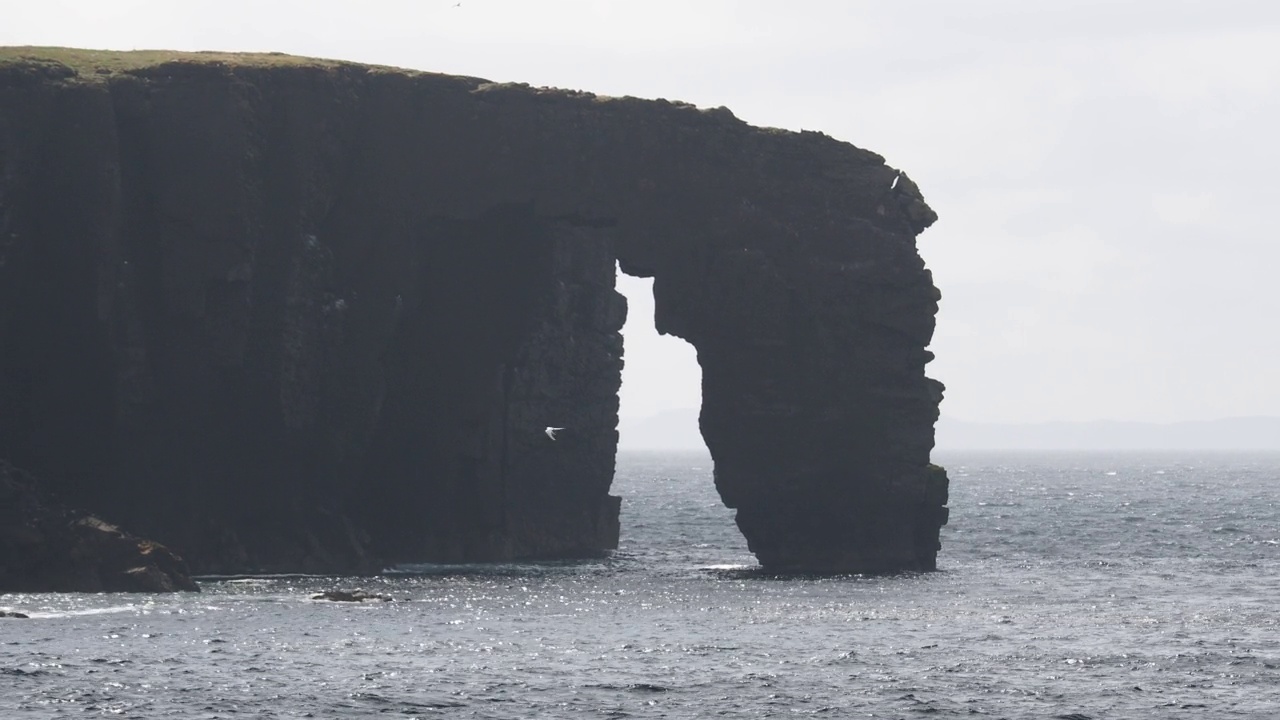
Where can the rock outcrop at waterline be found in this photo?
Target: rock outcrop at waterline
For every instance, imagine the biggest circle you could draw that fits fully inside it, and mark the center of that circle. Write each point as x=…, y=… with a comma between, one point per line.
x=45, y=547
x=297, y=315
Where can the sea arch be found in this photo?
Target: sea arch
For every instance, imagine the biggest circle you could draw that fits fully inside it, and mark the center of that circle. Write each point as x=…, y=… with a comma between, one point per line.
x=327, y=311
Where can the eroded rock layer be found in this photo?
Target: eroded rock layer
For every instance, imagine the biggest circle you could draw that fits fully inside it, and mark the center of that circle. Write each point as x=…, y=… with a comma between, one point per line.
x=298, y=315
x=45, y=547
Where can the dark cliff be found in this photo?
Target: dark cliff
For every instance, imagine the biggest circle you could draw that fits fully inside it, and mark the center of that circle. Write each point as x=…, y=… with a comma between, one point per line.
x=285, y=314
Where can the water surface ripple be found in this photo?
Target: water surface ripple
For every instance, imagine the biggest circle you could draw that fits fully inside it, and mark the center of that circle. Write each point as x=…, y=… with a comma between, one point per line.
x=1073, y=586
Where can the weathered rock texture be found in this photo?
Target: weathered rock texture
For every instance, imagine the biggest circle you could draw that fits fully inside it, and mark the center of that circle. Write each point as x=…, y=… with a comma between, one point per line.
x=286, y=314
x=45, y=547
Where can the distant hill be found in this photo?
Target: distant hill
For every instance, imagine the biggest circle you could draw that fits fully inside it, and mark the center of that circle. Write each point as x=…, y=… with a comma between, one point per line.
x=1246, y=433
x=668, y=430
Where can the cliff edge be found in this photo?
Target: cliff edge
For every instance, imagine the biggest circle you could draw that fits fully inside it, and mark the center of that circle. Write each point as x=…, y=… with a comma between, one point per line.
x=285, y=314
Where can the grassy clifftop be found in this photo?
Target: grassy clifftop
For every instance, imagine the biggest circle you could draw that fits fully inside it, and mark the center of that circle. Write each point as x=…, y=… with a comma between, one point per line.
x=106, y=62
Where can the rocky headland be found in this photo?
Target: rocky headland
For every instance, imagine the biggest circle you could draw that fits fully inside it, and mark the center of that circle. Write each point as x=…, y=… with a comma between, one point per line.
x=294, y=315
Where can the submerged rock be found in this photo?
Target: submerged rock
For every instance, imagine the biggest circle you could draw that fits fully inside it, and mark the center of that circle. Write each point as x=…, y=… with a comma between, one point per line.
x=351, y=596
x=45, y=547
x=292, y=315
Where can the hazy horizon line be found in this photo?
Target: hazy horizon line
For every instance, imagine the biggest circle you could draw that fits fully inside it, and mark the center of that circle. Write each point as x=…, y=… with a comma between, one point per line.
x=953, y=418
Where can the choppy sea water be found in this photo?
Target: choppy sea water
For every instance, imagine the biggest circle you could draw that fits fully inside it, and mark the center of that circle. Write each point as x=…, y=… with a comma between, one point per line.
x=1072, y=586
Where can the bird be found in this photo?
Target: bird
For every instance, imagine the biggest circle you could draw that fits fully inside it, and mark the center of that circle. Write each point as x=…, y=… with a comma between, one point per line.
x=551, y=432
x=896, y=178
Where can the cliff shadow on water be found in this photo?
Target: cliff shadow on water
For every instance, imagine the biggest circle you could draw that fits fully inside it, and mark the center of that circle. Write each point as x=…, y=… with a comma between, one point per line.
x=296, y=315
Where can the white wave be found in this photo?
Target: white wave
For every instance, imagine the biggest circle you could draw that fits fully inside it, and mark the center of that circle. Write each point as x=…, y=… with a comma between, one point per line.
x=113, y=610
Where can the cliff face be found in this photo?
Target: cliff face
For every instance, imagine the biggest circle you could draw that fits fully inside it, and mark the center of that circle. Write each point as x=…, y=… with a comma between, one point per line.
x=298, y=315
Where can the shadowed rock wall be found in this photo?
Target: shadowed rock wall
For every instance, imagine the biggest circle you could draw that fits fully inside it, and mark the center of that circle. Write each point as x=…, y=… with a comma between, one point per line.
x=300, y=315
x=45, y=547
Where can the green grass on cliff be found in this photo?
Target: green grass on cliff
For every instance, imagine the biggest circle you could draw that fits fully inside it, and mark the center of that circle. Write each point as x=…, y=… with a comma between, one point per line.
x=106, y=62
x=90, y=64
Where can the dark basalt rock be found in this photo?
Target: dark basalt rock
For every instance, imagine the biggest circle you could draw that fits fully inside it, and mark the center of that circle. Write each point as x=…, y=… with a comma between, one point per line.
x=351, y=596
x=47, y=548
x=293, y=315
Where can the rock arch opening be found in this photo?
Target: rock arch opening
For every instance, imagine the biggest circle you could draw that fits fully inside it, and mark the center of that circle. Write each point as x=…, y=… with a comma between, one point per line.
x=661, y=391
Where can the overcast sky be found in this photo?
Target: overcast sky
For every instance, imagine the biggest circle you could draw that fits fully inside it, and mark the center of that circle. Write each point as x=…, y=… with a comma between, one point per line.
x=1105, y=171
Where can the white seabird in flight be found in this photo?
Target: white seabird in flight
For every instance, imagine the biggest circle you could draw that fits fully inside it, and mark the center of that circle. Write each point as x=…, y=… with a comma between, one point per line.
x=551, y=432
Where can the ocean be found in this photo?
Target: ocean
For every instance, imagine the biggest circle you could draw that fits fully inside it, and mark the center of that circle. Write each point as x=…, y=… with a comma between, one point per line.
x=1071, y=585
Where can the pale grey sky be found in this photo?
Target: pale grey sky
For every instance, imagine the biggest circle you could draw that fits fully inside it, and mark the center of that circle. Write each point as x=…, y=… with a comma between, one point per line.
x=1104, y=170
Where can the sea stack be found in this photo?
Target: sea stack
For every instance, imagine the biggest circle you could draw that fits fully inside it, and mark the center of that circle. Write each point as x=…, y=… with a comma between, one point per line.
x=296, y=315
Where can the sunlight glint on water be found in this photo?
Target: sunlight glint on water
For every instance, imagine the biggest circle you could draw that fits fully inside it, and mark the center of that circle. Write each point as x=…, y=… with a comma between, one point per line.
x=1103, y=586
